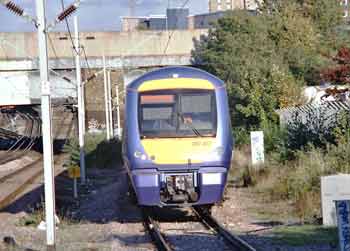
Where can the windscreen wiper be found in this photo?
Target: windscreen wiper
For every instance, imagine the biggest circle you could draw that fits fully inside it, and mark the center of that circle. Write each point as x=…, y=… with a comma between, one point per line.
x=189, y=125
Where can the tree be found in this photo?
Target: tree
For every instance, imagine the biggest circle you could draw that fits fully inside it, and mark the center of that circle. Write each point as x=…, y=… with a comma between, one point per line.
x=326, y=14
x=339, y=72
x=253, y=55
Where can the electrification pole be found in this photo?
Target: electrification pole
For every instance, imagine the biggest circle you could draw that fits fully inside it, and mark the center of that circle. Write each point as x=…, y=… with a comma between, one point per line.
x=46, y=126
x=118, y=110
x=81, y=107
x=106, y=98
x=110, y=110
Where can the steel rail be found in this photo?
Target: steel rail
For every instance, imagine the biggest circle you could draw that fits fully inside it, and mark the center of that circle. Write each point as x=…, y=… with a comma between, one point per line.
x=153, y=229
x=32, y=133
x=11, y=197
x=6, y=177
x=232, y=239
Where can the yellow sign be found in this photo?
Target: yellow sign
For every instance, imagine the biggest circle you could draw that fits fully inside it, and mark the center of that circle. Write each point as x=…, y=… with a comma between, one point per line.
x=74, y=172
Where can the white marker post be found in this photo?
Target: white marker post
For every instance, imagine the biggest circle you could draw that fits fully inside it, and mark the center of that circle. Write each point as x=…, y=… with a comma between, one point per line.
x=257, y=147
x=80, y=104
x=46, y=127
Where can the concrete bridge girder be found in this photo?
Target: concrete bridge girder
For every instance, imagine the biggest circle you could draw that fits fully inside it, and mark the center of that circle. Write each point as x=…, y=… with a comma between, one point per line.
x=112, y=62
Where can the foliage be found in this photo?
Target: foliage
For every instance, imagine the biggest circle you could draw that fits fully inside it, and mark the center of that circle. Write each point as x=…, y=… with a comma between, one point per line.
x=298, y=180
x=325, y=14
x=339, y=72
x=246, y=51
x=266, y=59
x=98, y=151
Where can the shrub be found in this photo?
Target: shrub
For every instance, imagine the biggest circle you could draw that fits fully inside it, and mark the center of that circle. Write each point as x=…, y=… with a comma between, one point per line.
x=98, y=151
x=300, y=180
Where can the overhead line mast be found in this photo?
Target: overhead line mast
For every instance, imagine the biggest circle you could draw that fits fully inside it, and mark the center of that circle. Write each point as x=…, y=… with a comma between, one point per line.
x=40, y=23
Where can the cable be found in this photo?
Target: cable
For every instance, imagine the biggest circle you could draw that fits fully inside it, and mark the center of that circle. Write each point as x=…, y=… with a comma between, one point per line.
x=173, y=31
x=54, y=50
x=77, y=51
x=86, y=59
x=35, y=59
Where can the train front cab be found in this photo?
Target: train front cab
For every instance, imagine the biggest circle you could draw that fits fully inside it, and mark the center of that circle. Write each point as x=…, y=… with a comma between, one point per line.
x=178, y=141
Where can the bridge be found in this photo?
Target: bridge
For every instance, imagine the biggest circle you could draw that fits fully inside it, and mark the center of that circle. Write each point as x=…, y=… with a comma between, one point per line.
x=19, y=51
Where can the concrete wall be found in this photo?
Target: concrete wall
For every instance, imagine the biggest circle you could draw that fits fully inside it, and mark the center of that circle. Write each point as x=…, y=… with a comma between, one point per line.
x=18, y=46
x=222, y=5
x=18, y=51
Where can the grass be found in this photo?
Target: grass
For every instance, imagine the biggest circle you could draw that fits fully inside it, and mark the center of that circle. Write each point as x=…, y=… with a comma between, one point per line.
x=305, y=234
x=36, y=215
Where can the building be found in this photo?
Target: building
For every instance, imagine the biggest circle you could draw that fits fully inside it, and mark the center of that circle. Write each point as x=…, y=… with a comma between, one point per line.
x=153, y=22
x=175, y=19
x=203, y=21
x=224, y=5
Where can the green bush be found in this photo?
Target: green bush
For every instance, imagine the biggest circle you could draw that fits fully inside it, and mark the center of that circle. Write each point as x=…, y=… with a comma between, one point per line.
x=98, y=151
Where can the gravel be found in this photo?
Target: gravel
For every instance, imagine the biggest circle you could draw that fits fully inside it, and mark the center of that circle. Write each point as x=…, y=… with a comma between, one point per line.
x=108, y=220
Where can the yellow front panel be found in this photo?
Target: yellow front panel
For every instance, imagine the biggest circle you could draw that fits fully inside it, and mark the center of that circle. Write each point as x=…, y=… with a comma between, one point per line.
x=176, y=83
x=178, y=150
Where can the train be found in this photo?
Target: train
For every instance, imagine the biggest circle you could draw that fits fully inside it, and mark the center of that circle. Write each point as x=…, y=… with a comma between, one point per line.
x=177, y=137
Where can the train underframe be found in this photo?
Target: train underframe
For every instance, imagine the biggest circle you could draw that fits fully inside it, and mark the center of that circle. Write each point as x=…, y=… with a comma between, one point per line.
x=203, y=186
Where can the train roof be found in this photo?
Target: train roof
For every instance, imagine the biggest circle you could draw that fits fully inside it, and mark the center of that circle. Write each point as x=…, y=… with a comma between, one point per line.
x=179, y=72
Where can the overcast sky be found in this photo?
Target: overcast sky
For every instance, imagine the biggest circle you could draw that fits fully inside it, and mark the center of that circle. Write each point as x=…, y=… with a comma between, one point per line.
x=95, y=15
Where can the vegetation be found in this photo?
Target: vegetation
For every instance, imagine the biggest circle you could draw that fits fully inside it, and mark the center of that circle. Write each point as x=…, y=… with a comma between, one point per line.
x=266, y=60
x=299, y=235
x=99, y=152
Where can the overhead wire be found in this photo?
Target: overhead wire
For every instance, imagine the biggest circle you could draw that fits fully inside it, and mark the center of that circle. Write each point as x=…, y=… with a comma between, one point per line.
x=35, y=59
x=86, y=59
x=173, y=31
x=69, y=31
x=77, y=50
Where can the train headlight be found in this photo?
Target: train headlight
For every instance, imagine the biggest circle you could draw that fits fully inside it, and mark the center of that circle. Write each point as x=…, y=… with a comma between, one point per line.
x=140, y=155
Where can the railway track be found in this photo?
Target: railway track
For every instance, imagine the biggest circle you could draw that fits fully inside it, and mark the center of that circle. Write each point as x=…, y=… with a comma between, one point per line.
x=22, y=144
x=14, y=184
x=216, y=232
x=233, y=240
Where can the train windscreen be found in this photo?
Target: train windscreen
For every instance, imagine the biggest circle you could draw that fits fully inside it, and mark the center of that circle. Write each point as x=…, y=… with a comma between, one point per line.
x=178, y=114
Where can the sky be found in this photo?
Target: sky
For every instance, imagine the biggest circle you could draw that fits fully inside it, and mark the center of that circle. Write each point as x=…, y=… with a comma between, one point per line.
x=94, y=15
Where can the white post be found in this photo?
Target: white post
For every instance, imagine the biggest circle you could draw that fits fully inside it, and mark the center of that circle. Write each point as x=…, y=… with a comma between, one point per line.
x=106, y=98
x=46, y=126
x=257, y=147
x=80, y=102
x=83, y=110
x=118, y=109
x=110, y=109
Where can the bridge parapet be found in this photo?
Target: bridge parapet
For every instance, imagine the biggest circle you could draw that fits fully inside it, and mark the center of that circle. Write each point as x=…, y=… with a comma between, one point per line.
x=18, y=51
